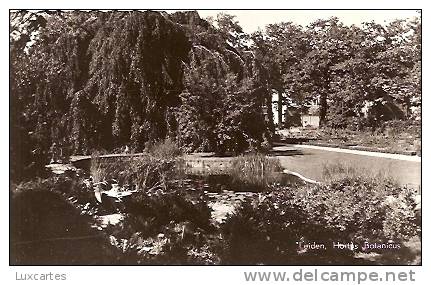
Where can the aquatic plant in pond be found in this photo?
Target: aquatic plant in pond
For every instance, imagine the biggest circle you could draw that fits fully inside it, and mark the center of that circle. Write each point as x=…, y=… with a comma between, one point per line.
x=255, y=170
x=146, y=172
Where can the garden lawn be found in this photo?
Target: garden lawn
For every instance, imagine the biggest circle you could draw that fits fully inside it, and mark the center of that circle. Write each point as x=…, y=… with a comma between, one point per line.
x=310, y=163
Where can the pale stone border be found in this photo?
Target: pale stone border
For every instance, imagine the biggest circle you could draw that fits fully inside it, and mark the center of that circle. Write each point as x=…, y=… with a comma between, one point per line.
x=300, y=176
x=412, y=158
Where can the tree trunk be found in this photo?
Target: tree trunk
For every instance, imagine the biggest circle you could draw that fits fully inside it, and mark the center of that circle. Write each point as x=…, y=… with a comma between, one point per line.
x=269, y=115
x=407, y=104
x=280, y=109
x=323, y=109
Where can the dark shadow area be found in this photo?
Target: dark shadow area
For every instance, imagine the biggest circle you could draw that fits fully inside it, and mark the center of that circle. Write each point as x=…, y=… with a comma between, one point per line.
x=287, y=152
x=47, y=230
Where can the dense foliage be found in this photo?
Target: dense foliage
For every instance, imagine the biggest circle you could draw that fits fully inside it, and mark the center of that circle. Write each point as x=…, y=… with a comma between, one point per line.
x=370, y=72
x=349, y=209
x=103, y=80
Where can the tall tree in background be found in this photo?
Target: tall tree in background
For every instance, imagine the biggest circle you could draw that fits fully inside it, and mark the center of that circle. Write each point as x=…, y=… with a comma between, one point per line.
x=280, y=48
x=404, y=59
x=414, y=79
x=230, y=30
x=376, y=72
x=326, y=40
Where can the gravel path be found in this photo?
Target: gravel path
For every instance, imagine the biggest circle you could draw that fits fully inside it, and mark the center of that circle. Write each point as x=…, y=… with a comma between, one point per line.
x=413, y=158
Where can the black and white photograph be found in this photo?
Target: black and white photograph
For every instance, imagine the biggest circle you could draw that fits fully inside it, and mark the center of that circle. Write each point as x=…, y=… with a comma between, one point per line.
x=215, y=137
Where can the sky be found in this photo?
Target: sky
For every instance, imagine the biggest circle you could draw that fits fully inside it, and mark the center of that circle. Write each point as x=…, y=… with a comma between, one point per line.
x=252, y=20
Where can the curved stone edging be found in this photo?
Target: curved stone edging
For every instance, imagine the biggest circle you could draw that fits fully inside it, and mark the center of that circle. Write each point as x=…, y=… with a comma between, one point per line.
x=301, y=177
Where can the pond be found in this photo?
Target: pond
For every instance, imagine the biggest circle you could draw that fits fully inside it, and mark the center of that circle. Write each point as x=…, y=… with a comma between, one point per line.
x=220, y=182
x=222, y=193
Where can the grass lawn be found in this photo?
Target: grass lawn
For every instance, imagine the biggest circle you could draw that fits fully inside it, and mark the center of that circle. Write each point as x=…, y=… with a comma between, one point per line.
x=310, y=164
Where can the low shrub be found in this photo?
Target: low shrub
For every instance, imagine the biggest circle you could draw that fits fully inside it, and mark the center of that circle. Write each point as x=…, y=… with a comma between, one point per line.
x=270, y=232
x=72, y=188
x=359, y=209
x=345, y=122
x=361, y=205
x=394, y=128
x=148, y=212
x=350, y=206
x=257, y=234
x=164, y=229
x=393, y=136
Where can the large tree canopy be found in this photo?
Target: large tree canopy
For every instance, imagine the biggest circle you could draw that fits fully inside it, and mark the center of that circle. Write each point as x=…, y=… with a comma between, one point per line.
x=345, y=68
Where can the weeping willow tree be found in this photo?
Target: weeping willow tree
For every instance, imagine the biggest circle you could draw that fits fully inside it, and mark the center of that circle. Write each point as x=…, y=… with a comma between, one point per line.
x=135, y=75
